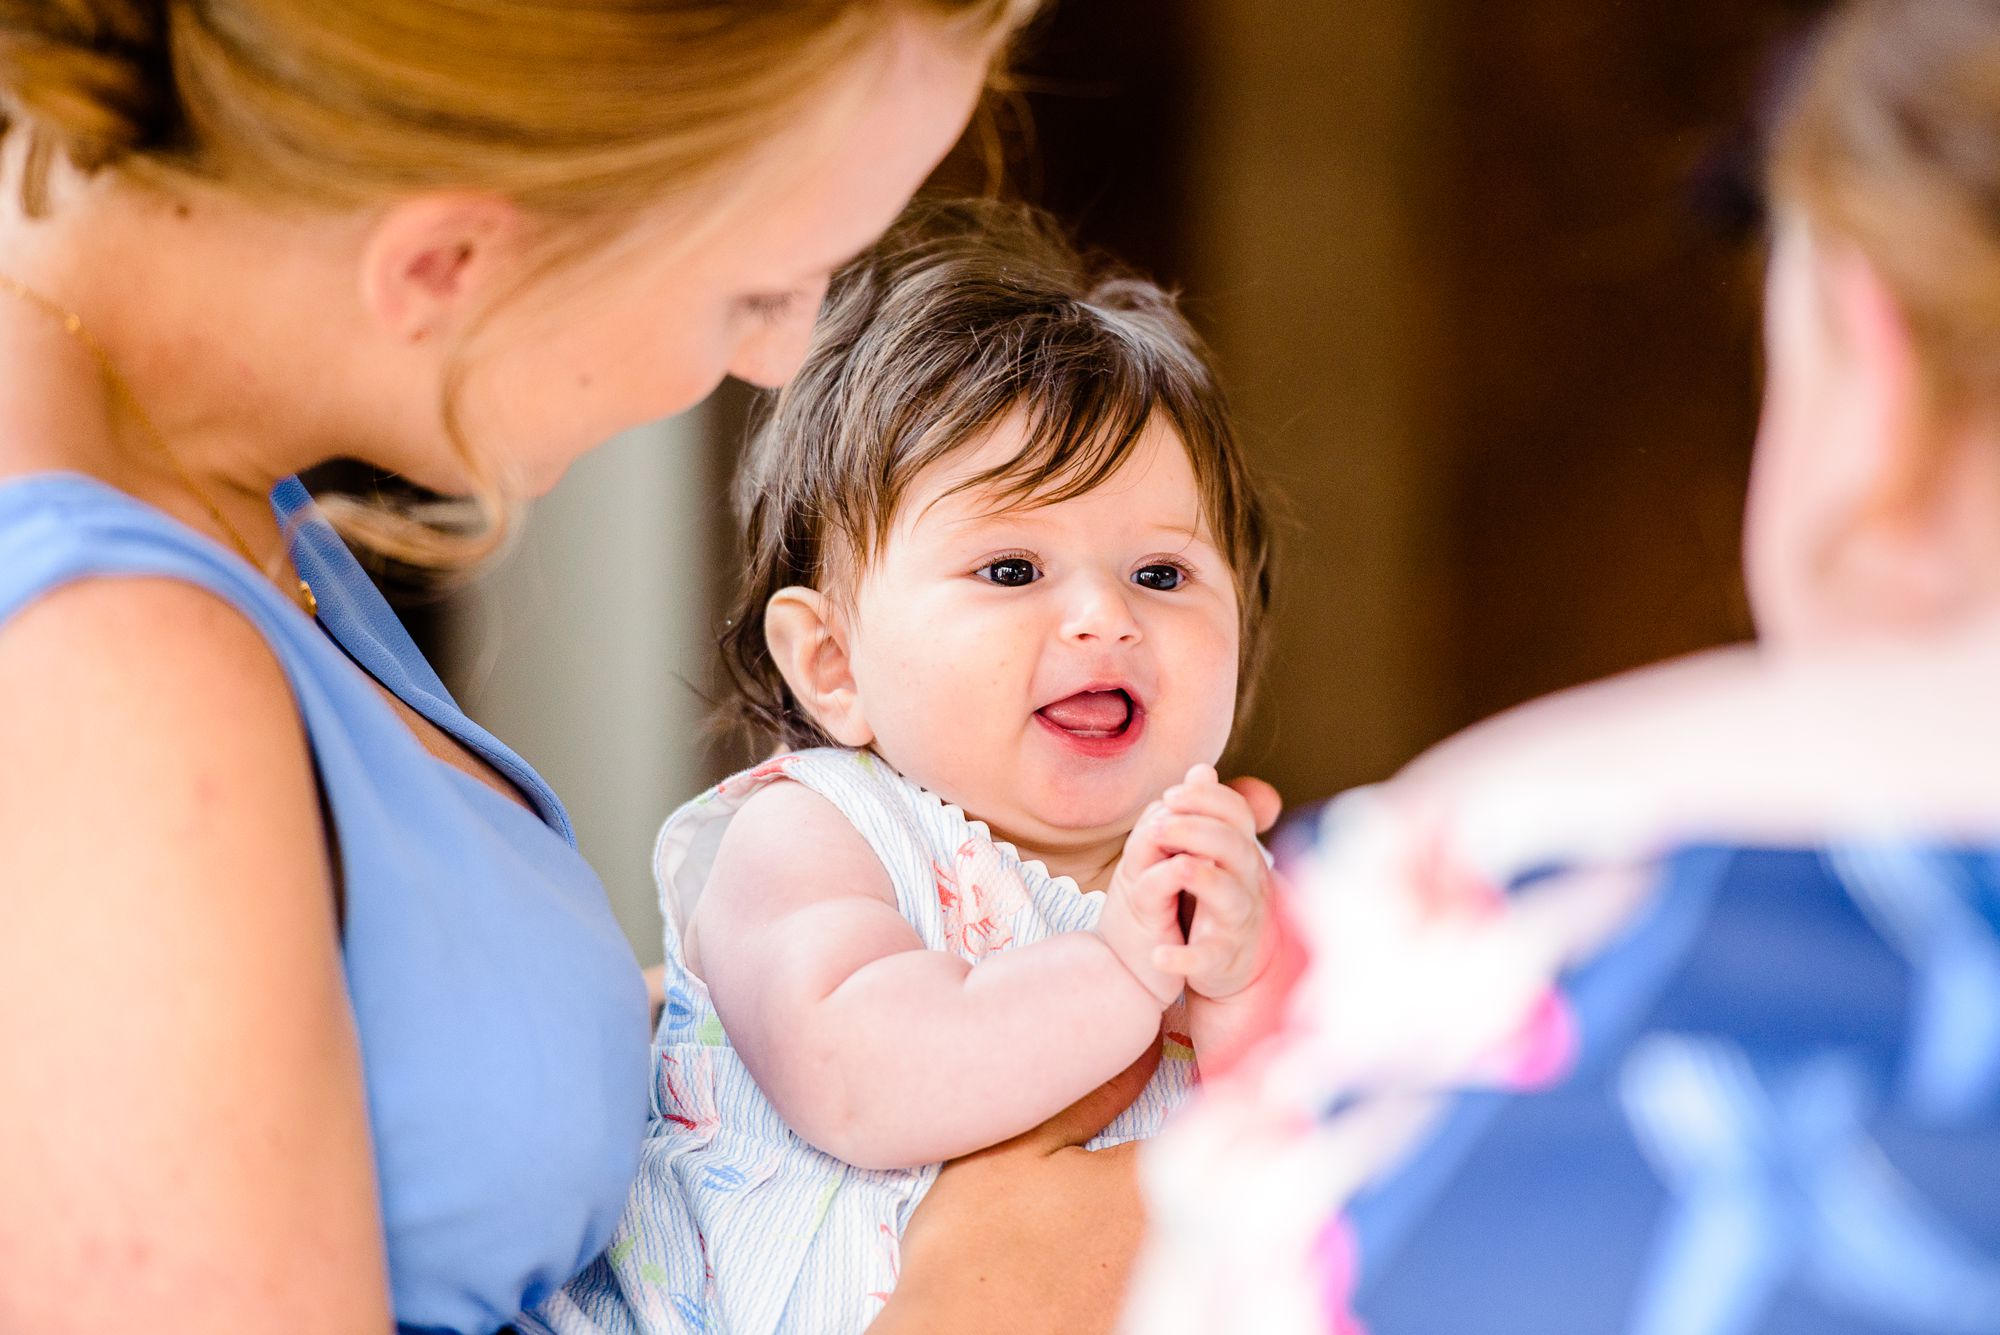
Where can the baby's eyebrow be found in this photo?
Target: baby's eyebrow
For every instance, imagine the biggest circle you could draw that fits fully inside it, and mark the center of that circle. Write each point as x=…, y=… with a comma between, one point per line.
x=1197, y=531
x=1182, y=532
x=1001, y=514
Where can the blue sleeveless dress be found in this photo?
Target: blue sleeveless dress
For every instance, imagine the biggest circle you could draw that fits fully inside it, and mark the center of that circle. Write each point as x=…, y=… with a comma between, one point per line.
x=502, y=1017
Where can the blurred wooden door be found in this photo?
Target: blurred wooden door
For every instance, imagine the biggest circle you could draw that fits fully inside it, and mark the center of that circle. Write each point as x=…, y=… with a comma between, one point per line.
x=1483, y=280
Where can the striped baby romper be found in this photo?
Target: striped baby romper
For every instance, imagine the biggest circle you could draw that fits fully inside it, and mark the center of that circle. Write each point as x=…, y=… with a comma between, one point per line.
x=735, y=1224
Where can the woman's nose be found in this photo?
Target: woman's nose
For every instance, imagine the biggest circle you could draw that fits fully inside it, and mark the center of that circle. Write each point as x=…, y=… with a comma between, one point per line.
x=1100, y=612
x=773, y=352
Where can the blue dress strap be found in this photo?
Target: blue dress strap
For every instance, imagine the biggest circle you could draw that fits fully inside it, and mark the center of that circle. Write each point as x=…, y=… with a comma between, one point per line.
x=370, y=633
x=59, y=527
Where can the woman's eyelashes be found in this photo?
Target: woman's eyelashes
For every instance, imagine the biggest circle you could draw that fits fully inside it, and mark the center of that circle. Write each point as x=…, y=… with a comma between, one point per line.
x=768, y=307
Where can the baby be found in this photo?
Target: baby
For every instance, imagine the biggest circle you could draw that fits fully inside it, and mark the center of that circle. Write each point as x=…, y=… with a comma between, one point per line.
x=1007, y=571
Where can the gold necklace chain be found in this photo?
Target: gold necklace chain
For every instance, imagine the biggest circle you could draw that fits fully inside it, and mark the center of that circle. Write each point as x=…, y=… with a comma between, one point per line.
x=72, y=324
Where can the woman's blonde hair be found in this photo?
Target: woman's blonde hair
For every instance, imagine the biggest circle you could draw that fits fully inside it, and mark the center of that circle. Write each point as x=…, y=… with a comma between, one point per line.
x=584, y=112
x=1890, y=140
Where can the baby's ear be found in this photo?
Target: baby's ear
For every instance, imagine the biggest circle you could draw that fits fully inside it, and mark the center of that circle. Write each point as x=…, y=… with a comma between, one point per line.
x=808, y=643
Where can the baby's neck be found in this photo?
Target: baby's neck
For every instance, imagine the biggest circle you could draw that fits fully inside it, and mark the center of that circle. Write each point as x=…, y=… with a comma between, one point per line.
x=1090, y=865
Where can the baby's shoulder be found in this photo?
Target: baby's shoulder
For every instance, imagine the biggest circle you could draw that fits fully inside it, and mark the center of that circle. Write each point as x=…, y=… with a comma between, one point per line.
x=785, y=812
x=863, y=789
x=834, y=772
x=841, y=822
x=789, y=841
x=799, y=820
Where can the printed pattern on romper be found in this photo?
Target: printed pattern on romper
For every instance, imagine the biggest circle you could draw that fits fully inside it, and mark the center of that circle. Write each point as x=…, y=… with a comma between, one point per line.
x=736, y=1224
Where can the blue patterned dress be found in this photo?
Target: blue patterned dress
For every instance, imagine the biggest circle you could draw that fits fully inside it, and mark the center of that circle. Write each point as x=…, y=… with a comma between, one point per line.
x=1761, y=1097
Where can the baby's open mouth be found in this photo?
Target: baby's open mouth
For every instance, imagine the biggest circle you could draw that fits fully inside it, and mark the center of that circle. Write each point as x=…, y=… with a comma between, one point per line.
x=1092, y=714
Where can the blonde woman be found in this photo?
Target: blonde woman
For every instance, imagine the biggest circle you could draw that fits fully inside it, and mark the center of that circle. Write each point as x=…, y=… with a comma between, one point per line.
x=311, y=1018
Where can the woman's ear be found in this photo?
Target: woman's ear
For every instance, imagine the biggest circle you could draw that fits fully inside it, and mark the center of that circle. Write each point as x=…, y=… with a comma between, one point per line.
x=1879, y=352
x=808, y=643
x=1899, y=547
x=431, y=260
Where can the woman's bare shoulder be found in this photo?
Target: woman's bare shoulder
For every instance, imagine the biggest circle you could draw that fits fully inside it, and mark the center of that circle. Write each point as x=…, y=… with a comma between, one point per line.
x=144, y=677
x=150, y=738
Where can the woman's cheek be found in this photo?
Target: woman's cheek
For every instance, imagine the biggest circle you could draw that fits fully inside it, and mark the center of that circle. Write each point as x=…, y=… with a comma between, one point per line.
x=678, y=378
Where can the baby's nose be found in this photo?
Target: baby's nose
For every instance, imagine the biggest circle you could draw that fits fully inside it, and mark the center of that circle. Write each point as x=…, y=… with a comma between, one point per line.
x=1101, y=613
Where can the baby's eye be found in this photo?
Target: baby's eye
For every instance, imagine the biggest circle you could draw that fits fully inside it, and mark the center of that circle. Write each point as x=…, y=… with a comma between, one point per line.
x=1159, y=576
x=1009, y=572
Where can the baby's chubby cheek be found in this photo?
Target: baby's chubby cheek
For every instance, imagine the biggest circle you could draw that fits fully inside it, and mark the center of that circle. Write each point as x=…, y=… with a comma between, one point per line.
x=936, y=716
x=1206, y=705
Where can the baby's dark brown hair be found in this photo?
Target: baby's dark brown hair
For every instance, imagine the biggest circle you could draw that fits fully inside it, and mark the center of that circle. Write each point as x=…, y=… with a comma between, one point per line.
x=967, y=313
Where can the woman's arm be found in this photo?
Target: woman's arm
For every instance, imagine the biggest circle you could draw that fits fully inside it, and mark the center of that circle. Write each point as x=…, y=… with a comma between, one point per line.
x=871, y=1046
x=183, y=1140
x=1738, y=744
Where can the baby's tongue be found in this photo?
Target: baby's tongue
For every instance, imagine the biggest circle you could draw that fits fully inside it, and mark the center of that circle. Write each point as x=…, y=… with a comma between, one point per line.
x=1090, y=711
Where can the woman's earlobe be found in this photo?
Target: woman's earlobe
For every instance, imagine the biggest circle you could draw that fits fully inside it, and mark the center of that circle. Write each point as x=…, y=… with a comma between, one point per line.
x=807, y=641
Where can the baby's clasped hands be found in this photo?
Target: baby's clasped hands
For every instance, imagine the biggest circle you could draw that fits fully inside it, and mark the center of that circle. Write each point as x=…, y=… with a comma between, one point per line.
x=1198, y=839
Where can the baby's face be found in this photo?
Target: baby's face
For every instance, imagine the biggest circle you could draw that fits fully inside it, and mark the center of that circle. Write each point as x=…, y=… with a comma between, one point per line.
x=1050, y=670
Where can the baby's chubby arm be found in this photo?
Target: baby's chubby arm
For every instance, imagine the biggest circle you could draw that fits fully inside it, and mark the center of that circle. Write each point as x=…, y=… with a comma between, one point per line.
x=874, y=1048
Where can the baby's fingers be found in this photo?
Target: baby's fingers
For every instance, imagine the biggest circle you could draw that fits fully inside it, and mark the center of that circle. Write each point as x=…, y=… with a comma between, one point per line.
x=1206, y=836
x=1266, y=804
x=1153, y=897
x=1142, y=846
x=1195, y=960
x=1223, y=904
x=1202, y=794
x=1162, y=883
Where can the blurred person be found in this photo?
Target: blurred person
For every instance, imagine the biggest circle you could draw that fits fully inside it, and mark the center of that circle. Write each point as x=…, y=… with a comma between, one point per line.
x=1007, y=563
x=1672, y=1004
x=313, y=1017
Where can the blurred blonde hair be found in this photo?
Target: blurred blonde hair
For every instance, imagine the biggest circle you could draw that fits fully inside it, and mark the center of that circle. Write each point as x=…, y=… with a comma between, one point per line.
x=584, y=112
x=1890, y=140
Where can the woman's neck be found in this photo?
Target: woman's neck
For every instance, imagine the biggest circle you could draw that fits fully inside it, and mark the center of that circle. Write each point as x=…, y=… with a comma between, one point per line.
x=177, y=382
